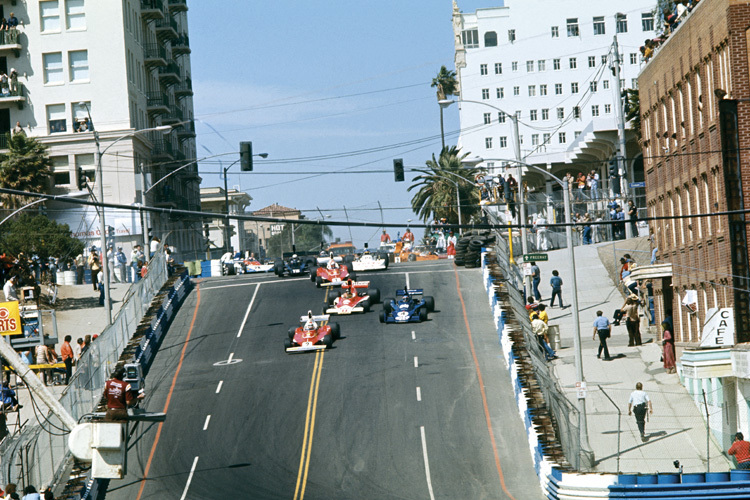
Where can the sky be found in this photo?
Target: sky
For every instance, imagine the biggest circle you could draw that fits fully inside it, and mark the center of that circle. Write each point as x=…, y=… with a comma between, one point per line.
x=307, y=80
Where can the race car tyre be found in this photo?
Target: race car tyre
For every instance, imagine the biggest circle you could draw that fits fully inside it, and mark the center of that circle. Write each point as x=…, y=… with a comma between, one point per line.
x=383, y=256
x=318, y=281
x=374, y=295
x=324, y=309
x=458, y=262
x=422, y=314
x=287, y=343
x=366, y=305
x=387, y=305
x=335, y=330
x=279, y=271
x=476, y=245
x=328, y=341
x=430, y=303
x=348, y=259
x=382, y=316
x=334, y=294
x=291, y=332
x=412, y=257
x=313, y=275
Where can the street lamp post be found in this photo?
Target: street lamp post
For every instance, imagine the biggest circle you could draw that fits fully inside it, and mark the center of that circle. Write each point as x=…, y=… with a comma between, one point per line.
x=226, y=200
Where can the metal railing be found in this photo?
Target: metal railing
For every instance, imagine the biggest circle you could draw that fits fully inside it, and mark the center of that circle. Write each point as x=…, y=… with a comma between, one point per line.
x=38, y=455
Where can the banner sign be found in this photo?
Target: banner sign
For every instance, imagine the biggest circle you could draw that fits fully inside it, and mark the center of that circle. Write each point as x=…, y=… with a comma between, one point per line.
x=10, y=318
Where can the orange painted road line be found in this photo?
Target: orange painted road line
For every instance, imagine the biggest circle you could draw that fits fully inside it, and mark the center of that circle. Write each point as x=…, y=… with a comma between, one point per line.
x=169, y=395
x=481, y=389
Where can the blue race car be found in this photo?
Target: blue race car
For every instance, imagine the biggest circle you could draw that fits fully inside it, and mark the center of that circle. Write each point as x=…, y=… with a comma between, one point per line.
x=410, y=307
x=293, y=266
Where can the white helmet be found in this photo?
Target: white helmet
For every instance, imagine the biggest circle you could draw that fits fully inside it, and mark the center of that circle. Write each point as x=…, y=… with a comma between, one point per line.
x=294, y=256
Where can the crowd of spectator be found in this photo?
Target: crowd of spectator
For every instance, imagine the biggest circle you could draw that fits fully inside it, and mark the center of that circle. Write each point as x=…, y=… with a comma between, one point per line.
x=671, y=18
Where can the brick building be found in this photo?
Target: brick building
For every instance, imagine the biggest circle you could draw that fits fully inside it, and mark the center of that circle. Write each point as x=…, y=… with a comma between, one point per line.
x=695, y=109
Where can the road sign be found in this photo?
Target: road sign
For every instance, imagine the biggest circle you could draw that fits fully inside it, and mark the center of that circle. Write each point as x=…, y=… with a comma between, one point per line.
x=532, y=257
x=637, y=184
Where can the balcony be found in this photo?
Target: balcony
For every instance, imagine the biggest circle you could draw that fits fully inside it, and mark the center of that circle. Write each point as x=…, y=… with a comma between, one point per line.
x=9, y=40
x=165, y=198
x=17, y=95
x=181, y=45
x=174, y=116
x=157, y=103
x=154, y=55
x=178, y=5
x=184, y=88
x=152, y=9
x=162, y=150
x=186, y=130
x=170, y=74
x=166, y=28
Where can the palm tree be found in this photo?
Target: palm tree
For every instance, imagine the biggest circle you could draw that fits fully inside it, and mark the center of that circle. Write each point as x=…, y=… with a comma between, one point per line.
x=447, y=85
x=437, y=183
x=26, y=167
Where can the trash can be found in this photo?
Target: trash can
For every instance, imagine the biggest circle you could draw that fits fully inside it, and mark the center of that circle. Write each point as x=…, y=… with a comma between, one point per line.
x=553, y=332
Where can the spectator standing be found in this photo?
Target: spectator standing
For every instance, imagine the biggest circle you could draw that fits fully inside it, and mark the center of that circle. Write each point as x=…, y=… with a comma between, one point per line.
x=8, y=396
x=540, y=329
x=536, y=278
x=582, y=180
x=450, y=249
x=741, y=451
x=86, y=344
x=30, y=493
x=603, y=329
x=154, y=246
x=78, y=349
x=556, y=283
x=385, y=237
x=18, y=129
x=111, y=264
x=9, y=289
x=136, y=259
x=668, y=354
x=12, y=21
x=66, y=351
x=121, y=261
x=95, y=266
x=586, y=221
x=640, y=404
x=594, y=184
x=541, y=311
x=80, y=268
x=632, y=320
x=633, y=214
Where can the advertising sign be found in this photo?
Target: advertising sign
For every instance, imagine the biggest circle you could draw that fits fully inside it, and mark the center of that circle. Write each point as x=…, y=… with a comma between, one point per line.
x=10, y=318
x=718, y=331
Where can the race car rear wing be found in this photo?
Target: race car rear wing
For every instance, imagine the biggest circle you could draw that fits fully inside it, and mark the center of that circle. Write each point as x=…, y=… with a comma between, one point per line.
x=411, y=291
x=358, y=284
x=318, y=318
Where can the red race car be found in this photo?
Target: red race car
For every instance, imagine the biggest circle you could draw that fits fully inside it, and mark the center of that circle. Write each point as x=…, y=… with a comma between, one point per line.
x=350, y=299
x=312, y=334
x=333, y=274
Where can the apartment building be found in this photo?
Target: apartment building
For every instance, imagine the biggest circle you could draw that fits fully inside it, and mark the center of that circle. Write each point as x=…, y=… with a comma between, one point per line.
x=548, y=63
x=116, y=68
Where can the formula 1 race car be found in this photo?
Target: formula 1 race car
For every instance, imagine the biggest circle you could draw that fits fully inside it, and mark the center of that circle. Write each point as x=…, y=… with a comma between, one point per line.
x=370, y=261
x=311, y=335
x=334, y=274
x=293, y=266
x=350, y=300
x=411, y=307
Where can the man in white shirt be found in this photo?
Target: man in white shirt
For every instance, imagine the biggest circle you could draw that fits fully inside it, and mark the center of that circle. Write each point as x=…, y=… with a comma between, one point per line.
x=9, y=289
x=639, y=404
x=540, y=329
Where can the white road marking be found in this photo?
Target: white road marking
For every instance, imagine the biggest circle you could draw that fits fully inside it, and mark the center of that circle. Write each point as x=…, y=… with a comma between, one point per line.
x=231, y=355
x=407, y=280
x=419, y=394
x=413, y=335
x=190, y=478
x=426, y=464
x=416, y=362
x=218, y=387
x=247, y=313
x=208, y=419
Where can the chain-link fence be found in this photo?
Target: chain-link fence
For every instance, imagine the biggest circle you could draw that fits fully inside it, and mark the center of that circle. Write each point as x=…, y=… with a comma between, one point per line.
x=38, y=455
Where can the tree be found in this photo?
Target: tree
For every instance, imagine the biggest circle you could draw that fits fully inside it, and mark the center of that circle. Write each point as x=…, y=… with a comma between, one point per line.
x=307, y=238
x=436, y=188
x=25, y=168
x=633, y=111
x=447, y=85
x=36, y=234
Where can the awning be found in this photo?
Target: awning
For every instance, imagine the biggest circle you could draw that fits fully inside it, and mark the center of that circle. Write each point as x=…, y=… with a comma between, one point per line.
x=651, y=272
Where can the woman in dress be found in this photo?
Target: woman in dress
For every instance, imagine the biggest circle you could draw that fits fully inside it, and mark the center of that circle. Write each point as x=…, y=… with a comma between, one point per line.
x=668, y=349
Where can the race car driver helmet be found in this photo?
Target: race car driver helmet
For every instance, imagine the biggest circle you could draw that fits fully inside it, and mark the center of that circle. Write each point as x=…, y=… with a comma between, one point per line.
x=310, y=323
x=405, y=298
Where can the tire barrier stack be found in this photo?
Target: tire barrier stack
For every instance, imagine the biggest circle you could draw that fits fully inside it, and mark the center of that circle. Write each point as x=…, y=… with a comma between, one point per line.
x=469, y=247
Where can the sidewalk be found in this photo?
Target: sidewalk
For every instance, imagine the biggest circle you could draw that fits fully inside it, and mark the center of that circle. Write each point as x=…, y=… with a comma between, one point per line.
x=675, y=431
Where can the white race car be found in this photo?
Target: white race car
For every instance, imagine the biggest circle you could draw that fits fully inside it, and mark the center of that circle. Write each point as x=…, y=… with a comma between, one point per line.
x=370, y=262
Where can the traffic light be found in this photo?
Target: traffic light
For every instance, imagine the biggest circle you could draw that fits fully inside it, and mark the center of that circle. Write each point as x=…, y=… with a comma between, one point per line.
x=206, y=231
x=246, y=156
x=81, y=177
x=612, y=168
x=398, y=169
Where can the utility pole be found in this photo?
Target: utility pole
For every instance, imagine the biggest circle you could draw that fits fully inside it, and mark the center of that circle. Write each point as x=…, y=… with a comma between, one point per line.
x=621, y=164
x=143, y=205
x=521, y=204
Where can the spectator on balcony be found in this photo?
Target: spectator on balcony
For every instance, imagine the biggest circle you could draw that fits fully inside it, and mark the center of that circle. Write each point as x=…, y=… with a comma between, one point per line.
x=3, y=24
x=18, y=129
x=12, y=21
x=13, y=77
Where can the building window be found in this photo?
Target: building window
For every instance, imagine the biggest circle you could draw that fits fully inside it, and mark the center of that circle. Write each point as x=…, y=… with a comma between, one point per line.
x=518, y=115
x=485, y=93
x=56, y=118
x=576, y=112
x=532, y=90
x=60, y=170
x=80, y=116
x=574, y=88
x=53, y=68
x=599, y=26
x=560, y=113
x=487, y=118
x=576, y=134
x=595, y=110
x=50, y=16
x=514, y=66
x=541, y=65
x=592, y=85
x=573, y=27
x=498, y=68
x=534, y=139
x=556, y=64
x=511, y=36
x=501, y=117
x=607, y=109
x=490, y=39
x=533, y=115
x=516, y=90
x=500, y=92
x=86, y=163
x=482, y=69
x=79, y=65
x=633, y=58
x=558, y=89
x=503, y=142
x=529, y=66
x=545, y=138
x=605, y=84
x=634, y=83
x=470, y=38
x=647, y=21
x=542, y=89
x=592, y=61
x=488, y=142
x=622, y=23
x=555, y=32
x=561, y=137
x=604, y=60
x=573, y=63
x=545, y=114
x=75, y=16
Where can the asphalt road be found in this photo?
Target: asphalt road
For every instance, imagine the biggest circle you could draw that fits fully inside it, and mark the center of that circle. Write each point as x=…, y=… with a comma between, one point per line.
x=390, y=412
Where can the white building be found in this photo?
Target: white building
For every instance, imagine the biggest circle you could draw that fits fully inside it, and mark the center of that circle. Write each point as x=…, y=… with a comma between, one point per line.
x=549, y=63
x=126, y=63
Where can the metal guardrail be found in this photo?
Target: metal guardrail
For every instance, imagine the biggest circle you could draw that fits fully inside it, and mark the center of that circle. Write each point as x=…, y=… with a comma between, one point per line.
x=38, y=455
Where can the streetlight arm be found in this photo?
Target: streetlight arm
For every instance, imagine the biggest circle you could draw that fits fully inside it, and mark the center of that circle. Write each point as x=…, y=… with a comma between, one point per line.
x=160, y=128
x=180, y=168
x=22, y=208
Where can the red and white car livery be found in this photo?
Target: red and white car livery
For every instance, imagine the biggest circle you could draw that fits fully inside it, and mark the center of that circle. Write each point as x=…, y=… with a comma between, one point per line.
x=354, y=297
x=334, y=274
x=315, y=333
